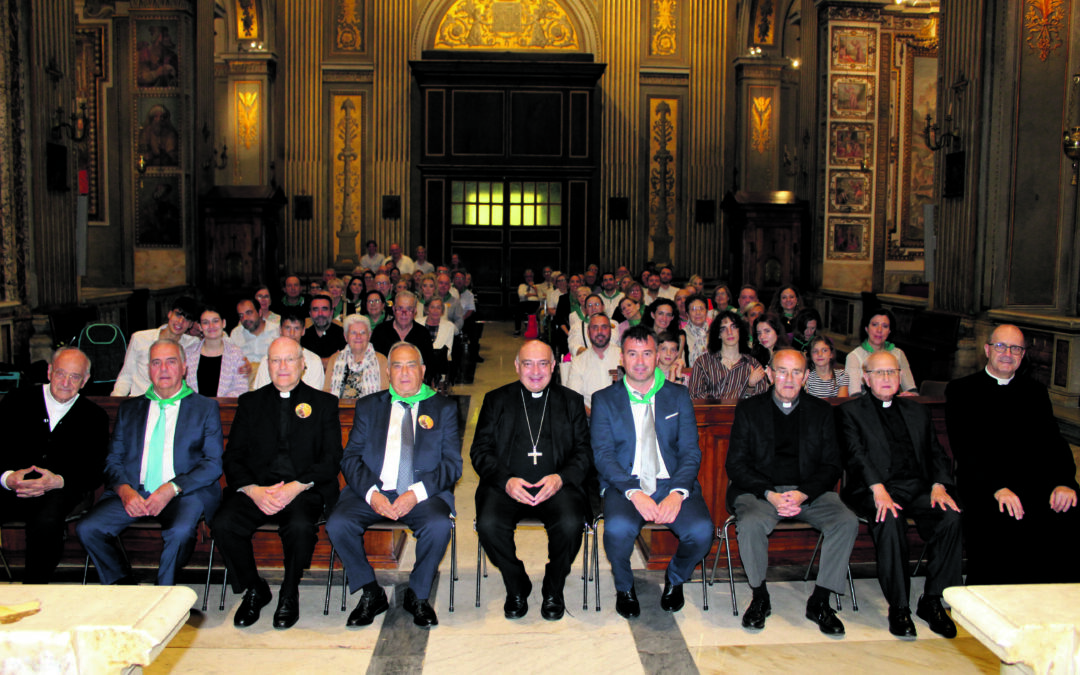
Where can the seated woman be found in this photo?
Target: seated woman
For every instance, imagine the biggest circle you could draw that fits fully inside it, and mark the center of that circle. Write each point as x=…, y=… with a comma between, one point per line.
x=768, y=336
x=335, y=288
x=825, y=379
x=374, y=308
x=727, y=370
x=696, y=284
x=357, y=370
x=442, y=339
x=428, y=287
x=721, y=301
x=668, y=358
x=786, y=304
x=577, y=340
x=807, y=322
x=215, y=366
x=877, y=325
x=660, y=316
x=354, y=295
x=263, y=300
x=696, y=329
x=630, y=309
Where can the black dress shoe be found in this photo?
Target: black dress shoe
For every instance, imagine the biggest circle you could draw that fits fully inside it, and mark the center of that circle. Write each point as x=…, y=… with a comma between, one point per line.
x=423, y=614
x=254, y=600
x=516, y=605
x=672, y=598
x=553, y=607
x=754, y=616
x=900, y=623
x=626, y=604
x=372, y=604
x=824, y=616
x=931, y=611
x=288, y=610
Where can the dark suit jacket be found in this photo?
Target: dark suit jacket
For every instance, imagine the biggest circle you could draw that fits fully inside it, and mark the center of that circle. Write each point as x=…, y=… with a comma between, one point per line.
x=197, y=449
x=867, y=455
x=384, y=336
x=493, y=438
x=753, y=445
x=436, y=450
x=75, y=449
x=314, y=443
x=614, y=439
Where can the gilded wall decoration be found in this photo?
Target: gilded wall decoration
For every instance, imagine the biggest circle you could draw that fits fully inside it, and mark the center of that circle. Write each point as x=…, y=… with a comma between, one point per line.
x=851, y=144
x=157, y=54
x=849, y=238
x=850, y=191
x=852, y=97
x=663, y=27
x=346, y=148
x=763, y=32
x=507, y=24
x=761, y=124
x=247, y=20
x=1044, y=22
x=247, y=117
x=90, y=72
x=854, y=49
x=348, y=26
x=663, y=170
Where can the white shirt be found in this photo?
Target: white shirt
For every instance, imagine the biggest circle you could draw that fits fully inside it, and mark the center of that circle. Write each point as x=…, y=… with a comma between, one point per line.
x=668, y=292
x=392, y=456
x=172, y=412
x=56, y=411
x=372, y=262
x=590, y=372
x=255, y=346
x=314, y=373
x=134, y=377
x=405, y=265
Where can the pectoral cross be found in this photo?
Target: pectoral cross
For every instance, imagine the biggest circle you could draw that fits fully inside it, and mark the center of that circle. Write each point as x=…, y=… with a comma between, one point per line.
x=534, y=454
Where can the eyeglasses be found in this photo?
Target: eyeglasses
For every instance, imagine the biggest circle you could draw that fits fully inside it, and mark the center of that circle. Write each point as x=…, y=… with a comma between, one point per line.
x=1015, y=350
x=883, y=373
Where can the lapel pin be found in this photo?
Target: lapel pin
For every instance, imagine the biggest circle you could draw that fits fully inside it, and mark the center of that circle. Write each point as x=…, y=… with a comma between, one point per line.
x=426, y=422
x=303, y=411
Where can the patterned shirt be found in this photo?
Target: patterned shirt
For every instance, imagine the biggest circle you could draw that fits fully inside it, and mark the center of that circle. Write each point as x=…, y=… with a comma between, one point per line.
x=711, y=379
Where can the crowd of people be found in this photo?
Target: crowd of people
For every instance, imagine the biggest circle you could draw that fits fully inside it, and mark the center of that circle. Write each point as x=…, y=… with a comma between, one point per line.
x=630, y=355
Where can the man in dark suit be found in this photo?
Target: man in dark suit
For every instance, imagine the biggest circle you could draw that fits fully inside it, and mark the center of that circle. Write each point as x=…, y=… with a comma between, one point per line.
x=282, y=467
x=645, y=443
x=1017, y=479
x=52, y=459
x=164, y=462
x=783, y=462
x=896, y=469
x=403, y=328
x=531, y=451
x=401, y=463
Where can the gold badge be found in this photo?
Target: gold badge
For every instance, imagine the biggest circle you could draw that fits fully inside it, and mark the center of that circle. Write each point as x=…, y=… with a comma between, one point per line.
x=303, y=411
x=426, y=422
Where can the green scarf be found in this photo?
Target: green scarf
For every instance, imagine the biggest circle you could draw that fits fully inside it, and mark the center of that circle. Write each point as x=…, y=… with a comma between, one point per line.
x=184, y=392
x=634, y=322
x=870, y=350
x=636, y=397
x=155, y=461
x=424, y=394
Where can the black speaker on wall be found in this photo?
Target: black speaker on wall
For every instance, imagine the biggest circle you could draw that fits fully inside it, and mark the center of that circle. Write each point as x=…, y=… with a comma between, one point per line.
x=56, y=167
x=391, y=207
x=619, y=208
x=705, y=211
x=303, y=207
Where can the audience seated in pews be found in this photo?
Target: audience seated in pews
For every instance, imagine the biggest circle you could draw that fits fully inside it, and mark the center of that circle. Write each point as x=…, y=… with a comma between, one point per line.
x=727, y=370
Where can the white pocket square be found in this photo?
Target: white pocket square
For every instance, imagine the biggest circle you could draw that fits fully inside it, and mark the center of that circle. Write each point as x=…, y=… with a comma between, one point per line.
x=674, y=414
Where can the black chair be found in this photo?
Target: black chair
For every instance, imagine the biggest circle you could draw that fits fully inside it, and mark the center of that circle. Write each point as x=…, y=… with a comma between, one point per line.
x=76, y=513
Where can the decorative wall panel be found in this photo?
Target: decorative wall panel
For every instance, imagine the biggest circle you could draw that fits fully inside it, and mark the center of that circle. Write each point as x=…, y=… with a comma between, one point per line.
x=663, y=174
x=347, y=128
x=347, y=30
x=508, y=24
x=664, y=27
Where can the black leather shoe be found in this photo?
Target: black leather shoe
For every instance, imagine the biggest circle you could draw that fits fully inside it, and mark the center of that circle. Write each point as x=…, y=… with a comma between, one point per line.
x=931, y=611
x=900, y=623
x=516, y=605
x=626, y=604
x=552, y=608
x=423, y=614
x=672, y=598
x=288, y=610
x=754, y=616
x=372, y=604
x=824, y=616
x=254, y=600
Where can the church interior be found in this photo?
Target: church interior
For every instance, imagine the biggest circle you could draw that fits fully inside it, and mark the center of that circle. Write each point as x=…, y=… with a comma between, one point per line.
x=868, y=152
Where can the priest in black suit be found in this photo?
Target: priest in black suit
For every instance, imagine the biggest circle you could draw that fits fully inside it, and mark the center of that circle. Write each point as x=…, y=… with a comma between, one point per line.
x=281, y=466
x=531, y=450
x=53, y=457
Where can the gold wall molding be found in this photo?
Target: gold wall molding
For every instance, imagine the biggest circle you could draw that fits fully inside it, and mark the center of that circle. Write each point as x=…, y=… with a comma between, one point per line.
x=761, y=124
x=663, y=28
x=528, y=25
x=247, y=117
x=849, y=13
x=248, y=25
x=666, y=79
x=1043, y=22
x=260, y=67
x=348, y=76
x=663, y=173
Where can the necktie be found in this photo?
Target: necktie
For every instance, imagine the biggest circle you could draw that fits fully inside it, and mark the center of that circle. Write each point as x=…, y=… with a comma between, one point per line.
x=405, y=460
x=155, y=459
x=647, y=450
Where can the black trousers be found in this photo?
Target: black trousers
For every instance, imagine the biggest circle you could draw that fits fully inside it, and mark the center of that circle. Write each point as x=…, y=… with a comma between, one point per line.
x=238, y=518
x=45, y=528
x=940, y=529
x=563, y=515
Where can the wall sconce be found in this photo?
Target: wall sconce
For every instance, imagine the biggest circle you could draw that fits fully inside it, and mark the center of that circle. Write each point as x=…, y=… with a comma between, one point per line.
x=140, y=164
x=76, y=128
x=795, y=63
x=755, y=52
x=217, y=160
x=936, y=139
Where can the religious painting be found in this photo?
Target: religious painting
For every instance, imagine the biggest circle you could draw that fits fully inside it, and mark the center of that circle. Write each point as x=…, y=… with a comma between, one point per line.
x=91, y=67
x=852, y=97
x=849, y=239
x=158, y=137
x=920, y=92
x=159, y=212
x=854, y=49
x=849, y=192
x=851, y=144
x=157, y=53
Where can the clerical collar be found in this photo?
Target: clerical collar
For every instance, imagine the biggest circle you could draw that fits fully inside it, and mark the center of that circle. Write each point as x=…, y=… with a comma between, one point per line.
x=786, y=407
x=284, y=394
x=1000, y=381
x=534, y=394
x=883, y=404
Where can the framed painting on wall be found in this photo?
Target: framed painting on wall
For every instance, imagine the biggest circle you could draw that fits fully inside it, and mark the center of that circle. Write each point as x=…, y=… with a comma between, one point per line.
x=159, y=212
x=850, y=191
x=157, y=53
x=852, y=96
x=157, y=140
x=853, y=49
x=851, y=144
x=849, y=238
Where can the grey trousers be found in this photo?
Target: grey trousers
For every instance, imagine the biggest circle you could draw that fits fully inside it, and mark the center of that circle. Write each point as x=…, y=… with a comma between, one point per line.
x=756, y=518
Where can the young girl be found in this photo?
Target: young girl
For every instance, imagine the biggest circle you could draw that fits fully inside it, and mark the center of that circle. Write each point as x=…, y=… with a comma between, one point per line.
x=825, y=379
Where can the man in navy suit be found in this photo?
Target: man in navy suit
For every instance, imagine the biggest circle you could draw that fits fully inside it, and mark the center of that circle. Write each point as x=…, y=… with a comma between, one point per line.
x=400, y=463
x=645, y=444
x=164, y=462
x=282, y=467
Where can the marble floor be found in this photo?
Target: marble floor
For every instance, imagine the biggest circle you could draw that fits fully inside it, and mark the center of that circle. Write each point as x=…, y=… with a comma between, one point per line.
x=474, y=640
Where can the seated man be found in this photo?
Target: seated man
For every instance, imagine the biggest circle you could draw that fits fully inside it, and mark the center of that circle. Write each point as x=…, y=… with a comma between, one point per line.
x=1017, y=480
x=282, y=467
x=645, y=442
x=896, y=469
x=403, y=328
x=324, y=337
x=293, y=299
x=531, y=451
x=595, y=368
x=253, y=334
x=52, y=459
x=132, y=379
x=783, y=462
x=398, y=466
x=164, y=462
x=292, y=327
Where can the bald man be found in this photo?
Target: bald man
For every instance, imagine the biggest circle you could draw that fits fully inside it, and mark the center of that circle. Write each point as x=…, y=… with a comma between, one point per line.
x=1016, y=473
x=531, y=451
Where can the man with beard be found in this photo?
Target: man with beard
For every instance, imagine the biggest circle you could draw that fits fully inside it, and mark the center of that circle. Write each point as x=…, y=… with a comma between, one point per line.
x=592, y=369
x=323, y=336
x=254, y=334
